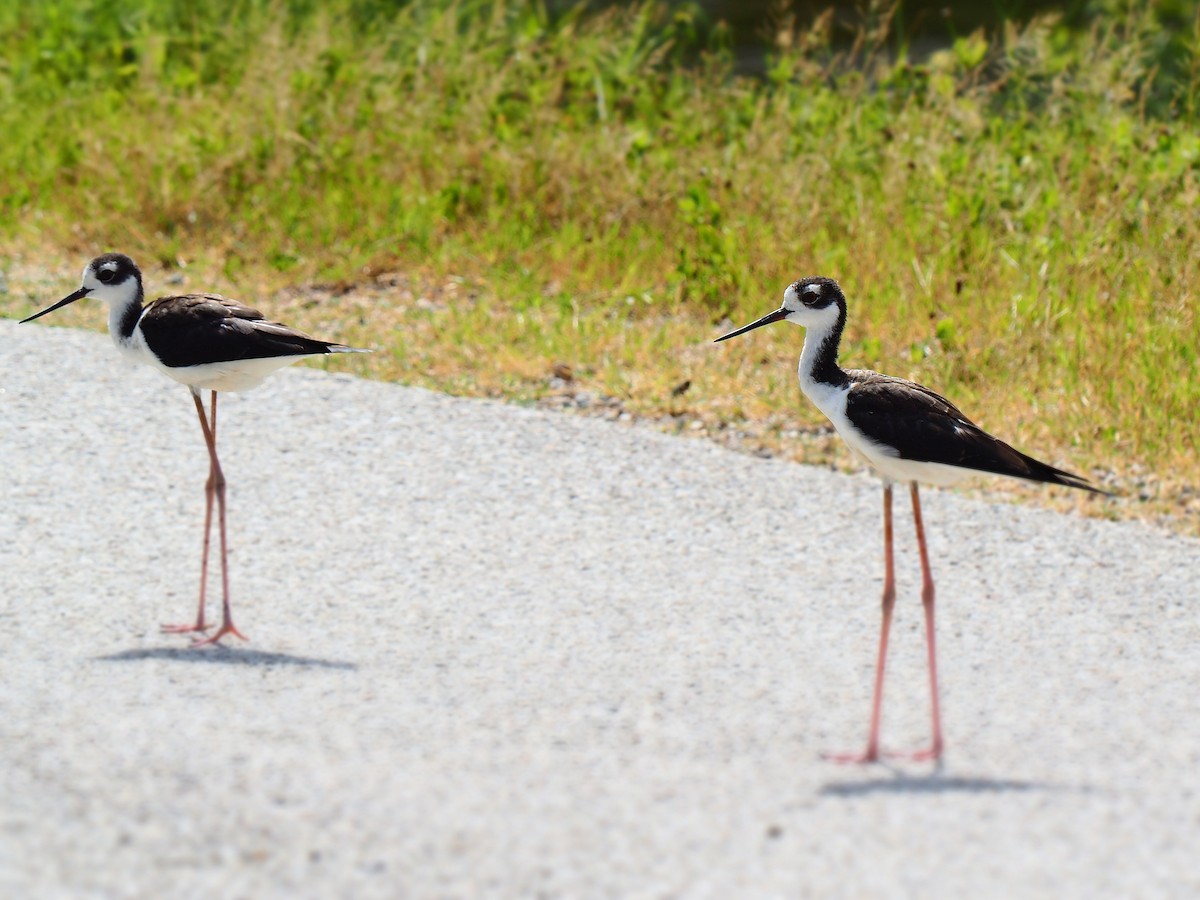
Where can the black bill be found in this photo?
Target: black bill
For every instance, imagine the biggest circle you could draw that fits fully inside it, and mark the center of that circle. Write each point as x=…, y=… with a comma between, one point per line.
x=78, y=295
x=770, y=317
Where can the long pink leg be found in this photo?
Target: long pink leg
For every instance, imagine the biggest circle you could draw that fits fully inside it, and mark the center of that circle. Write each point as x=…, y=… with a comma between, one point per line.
x=210, y=428
x=889, y=601
x=218, y=482
x=935, y=749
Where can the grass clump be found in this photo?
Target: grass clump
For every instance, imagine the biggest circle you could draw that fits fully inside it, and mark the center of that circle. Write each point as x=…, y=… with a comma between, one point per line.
x=492, y=193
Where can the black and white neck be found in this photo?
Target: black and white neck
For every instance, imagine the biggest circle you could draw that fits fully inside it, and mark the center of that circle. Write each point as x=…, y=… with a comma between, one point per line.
x=116, y=279
x=820, y=306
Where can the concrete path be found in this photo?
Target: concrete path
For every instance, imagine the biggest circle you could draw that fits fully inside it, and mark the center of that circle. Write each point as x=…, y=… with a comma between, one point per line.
x=498, y=652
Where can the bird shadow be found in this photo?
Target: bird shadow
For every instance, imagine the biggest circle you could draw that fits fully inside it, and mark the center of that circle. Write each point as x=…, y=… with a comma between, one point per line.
x=937, y=782
x=221, y=655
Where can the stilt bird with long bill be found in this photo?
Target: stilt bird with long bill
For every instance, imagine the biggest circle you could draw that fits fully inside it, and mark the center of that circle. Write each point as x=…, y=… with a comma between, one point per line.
x=209, y=343
x=908, y=434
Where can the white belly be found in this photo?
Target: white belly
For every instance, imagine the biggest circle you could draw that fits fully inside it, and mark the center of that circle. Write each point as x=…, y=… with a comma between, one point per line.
x=234, y=375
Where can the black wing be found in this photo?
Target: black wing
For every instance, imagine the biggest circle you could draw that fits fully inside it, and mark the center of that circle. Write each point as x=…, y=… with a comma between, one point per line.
x=194, y=329
x=926, y=427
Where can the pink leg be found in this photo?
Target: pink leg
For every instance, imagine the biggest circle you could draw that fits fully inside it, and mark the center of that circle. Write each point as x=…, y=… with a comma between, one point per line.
x=209, y=494
x=935, y=748
x=218, y=481
x=889, y=601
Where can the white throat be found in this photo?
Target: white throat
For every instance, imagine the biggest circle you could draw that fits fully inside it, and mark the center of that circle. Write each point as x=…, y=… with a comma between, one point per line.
x=814, y=339
x=116, y=317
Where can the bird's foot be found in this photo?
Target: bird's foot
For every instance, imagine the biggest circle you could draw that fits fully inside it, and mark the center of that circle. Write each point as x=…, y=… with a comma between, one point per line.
x=227, y=627
x=932, y=753
x=184, y=629
x=870, y=755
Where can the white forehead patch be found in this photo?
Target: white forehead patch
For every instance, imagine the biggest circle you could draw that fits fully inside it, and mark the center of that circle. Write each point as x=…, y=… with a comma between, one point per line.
x=812, y=289
x=109, y=266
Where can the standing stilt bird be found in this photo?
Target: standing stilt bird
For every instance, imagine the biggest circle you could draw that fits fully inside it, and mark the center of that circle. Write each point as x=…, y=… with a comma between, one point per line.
x=907, y=433
x=206, y=342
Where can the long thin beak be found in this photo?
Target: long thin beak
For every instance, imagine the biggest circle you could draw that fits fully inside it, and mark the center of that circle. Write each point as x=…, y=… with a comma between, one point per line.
x=770, y=317
x=79, y=294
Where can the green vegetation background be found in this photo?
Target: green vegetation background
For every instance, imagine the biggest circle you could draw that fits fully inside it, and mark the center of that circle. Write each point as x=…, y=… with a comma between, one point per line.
x=504, y=199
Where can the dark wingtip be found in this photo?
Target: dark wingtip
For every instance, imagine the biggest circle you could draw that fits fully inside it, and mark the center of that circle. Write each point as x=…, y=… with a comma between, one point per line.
x=1062, y=477
x=1085, y=485
x=342, y=348
x=1032, y=469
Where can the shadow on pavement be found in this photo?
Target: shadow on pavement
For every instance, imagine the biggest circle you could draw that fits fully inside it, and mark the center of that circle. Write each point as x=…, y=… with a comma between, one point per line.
x=937, y=783
x=235, y=656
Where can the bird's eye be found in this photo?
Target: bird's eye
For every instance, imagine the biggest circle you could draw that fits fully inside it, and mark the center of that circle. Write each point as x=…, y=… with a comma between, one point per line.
x=106, y=276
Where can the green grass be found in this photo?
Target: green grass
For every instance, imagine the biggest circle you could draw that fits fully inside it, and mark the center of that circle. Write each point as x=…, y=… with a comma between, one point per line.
x=1014, y=220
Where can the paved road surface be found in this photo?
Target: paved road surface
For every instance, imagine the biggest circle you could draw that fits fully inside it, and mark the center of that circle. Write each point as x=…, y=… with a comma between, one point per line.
x=501, y=652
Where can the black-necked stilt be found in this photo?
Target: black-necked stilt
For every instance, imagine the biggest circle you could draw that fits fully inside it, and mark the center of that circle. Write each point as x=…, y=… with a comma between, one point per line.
x=905, y=432
x=207, y=342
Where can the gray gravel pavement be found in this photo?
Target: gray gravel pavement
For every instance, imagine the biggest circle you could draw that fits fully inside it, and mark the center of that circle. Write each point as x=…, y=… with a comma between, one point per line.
x=498, y=652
